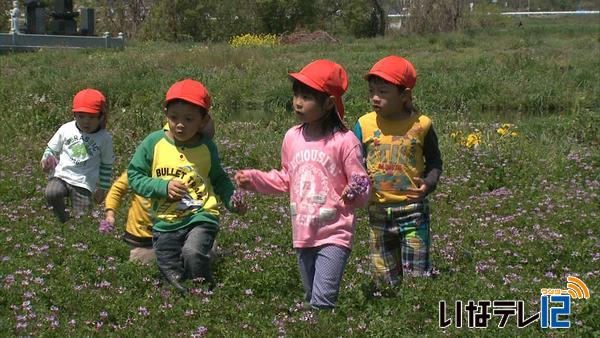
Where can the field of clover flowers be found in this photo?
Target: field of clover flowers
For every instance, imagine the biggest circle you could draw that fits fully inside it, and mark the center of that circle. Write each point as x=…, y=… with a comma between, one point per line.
x=516, y=209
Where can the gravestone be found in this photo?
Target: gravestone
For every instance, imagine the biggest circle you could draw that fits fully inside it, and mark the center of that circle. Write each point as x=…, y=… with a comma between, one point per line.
x=63, y=22
x=35, y=17
x=63, y=26
x=86, y=21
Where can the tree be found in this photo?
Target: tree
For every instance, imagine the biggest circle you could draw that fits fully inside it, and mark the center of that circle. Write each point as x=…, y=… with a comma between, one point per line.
x=379, y=17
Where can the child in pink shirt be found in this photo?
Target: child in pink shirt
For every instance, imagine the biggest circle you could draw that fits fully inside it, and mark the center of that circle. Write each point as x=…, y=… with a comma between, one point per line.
x=322, y=168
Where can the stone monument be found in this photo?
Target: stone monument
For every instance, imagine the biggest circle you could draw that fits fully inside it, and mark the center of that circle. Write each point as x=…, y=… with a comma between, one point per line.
x=15, y=13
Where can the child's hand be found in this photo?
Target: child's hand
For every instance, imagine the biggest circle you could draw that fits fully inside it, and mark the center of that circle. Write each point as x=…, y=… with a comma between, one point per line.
x=49, y=163
x=176, y=190
x=357, y=186
x=110, y=216
x=347, y=196
x=242, y=181
x=99, y=195
x=417, y=194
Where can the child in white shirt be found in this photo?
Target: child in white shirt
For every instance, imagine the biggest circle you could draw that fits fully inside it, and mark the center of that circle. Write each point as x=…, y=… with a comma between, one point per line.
x=79, y=157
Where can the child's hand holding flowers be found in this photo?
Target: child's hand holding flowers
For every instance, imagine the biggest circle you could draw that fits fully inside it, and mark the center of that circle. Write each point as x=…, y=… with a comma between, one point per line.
x=106, y=226
x=49, y=163
x=357, y=186
x=238, y=202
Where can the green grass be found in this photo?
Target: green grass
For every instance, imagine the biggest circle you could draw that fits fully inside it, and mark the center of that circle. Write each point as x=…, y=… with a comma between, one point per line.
x=516, y=215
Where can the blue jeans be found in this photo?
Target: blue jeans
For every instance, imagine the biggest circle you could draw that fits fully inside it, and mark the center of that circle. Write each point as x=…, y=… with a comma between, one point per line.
x=185, y=253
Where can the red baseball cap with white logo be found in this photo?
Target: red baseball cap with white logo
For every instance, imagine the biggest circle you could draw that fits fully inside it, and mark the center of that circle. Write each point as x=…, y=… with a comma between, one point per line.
x=395, y=69
x=190, y=91
x=327, y=77
x=89, y=101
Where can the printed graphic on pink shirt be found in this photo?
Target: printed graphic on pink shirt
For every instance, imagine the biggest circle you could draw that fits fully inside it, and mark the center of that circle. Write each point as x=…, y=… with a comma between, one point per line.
x=310, y=188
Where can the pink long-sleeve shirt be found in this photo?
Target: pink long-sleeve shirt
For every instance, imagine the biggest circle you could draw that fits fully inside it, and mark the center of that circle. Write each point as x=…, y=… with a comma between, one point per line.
x=315, y=172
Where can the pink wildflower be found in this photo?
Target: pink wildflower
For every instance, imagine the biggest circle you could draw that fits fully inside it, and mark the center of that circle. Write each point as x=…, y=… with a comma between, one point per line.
x=358, y=185
x=105, y=227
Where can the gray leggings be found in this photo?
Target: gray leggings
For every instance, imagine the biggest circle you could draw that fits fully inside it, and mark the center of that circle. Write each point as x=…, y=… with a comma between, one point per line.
x=56, y=192
x=322, y=269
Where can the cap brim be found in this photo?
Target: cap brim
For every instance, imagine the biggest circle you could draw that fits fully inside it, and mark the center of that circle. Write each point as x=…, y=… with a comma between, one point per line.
x=194, y=102
x=307, y=81
x=86, y=110
x=382, y=75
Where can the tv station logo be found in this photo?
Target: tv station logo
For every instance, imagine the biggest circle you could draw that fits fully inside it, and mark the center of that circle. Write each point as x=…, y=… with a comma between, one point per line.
x=555, y=308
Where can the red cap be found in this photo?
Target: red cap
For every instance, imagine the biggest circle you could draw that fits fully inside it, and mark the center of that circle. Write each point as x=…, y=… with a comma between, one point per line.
x=327, y=77
x=396, y=70
x=191, y=91
x=89, y=101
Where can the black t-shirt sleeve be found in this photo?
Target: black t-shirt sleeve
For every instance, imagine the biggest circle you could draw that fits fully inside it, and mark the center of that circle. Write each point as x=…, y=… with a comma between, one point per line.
x=433, y=160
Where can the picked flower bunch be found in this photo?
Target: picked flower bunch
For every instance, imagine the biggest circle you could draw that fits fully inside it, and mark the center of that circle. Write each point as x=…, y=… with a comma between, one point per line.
x=238, y=201
x=357, y=186
x=106, y=227
x=49, y=163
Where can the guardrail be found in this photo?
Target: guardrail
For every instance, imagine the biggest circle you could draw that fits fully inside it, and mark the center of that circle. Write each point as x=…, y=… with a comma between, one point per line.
x=542, y=13
x=551, y=13
x=16, y=41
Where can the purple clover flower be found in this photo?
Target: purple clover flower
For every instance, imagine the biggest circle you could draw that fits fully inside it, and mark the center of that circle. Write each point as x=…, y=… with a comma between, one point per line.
x=358, y=185
x=106, y=227
x=143, y=311
x=200, y=331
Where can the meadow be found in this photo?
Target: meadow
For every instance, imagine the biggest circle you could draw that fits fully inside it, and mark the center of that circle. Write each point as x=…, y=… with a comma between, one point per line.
x=517, y=113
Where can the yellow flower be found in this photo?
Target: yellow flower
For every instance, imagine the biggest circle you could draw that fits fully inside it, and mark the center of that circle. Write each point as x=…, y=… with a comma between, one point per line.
x=248, y=40
x=473, y=140
x=506, y=130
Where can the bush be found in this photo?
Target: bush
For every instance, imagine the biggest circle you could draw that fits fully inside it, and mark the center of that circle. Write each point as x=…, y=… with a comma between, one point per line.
x=435, y=16
x=178, y=20
x=214, y=20
x=4, y=16
x=124, y=16
x=486, y=16
x=364, y=18
x=280, y=16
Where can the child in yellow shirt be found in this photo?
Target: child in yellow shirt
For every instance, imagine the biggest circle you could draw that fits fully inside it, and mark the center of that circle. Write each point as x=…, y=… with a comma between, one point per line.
x=138, y=229
x=404, y=163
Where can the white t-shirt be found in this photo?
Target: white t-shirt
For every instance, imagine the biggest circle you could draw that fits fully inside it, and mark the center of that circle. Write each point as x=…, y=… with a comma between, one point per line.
x=80, y=155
